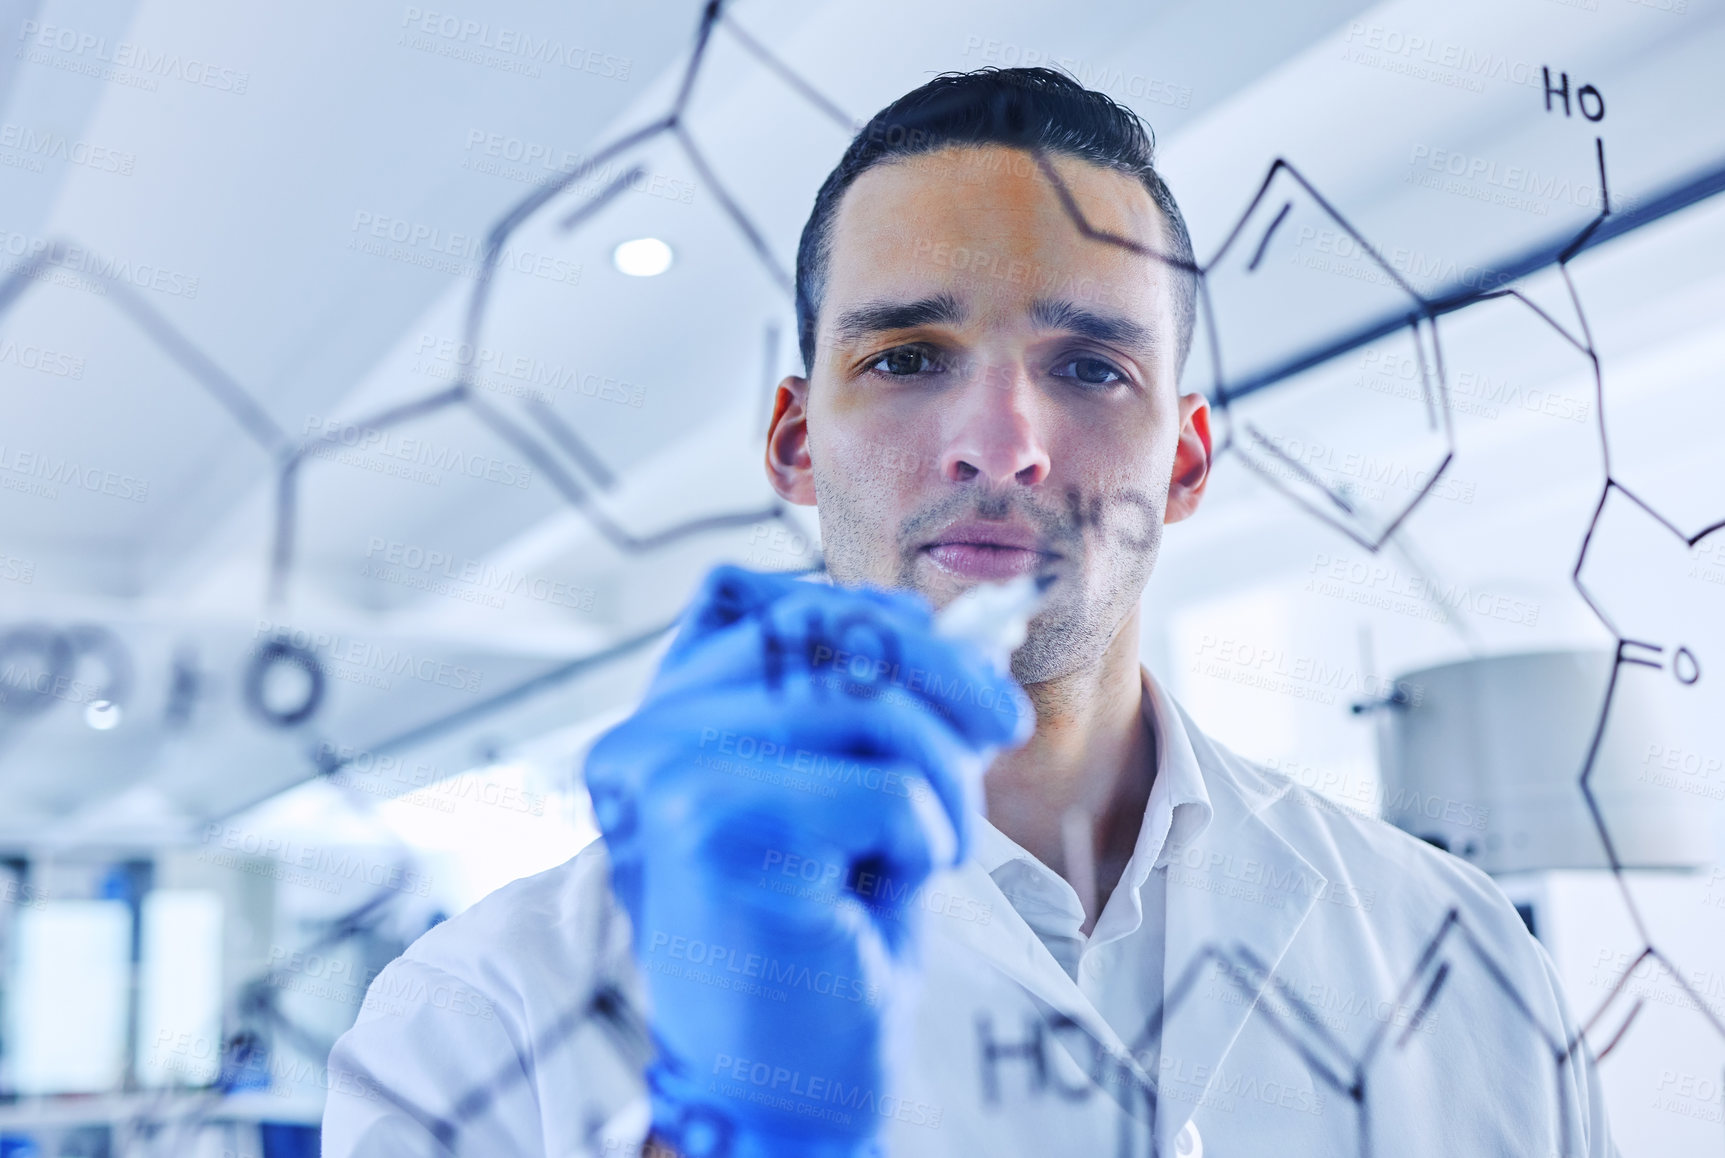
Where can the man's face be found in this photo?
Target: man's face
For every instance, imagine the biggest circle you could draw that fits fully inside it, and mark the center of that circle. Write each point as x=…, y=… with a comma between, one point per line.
x=995, y=394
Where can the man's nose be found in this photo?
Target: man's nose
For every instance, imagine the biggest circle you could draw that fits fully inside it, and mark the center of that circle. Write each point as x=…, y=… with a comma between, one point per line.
x=996, y=431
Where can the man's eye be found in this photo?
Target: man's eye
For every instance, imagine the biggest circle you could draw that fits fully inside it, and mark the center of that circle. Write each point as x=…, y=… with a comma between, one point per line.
x=1089, y=371
x=903, y=361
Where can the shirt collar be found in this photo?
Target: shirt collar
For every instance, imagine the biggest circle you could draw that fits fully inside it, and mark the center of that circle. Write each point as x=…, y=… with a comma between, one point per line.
x=1178, y=776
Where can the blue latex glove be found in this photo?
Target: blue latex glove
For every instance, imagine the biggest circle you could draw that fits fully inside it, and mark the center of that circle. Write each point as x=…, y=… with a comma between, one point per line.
x=802, y=762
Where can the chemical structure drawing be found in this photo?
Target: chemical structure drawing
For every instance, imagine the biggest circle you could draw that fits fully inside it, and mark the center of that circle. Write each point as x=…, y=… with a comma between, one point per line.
x=1327, y=475
x=1309, y=472
x=1644, y=635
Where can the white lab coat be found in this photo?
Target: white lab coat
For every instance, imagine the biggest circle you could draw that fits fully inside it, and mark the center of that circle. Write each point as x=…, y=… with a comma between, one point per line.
x=1299, y=944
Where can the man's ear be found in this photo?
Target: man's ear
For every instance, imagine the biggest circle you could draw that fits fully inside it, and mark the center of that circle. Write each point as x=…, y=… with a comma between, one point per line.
x=1191, y=459
x=789, y=467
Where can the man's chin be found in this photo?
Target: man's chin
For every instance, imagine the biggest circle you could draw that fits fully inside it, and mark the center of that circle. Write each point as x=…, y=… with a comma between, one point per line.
x=1053, y=652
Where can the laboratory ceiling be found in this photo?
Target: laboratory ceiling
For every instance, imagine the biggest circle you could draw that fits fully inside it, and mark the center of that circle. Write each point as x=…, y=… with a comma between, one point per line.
x=250, y=258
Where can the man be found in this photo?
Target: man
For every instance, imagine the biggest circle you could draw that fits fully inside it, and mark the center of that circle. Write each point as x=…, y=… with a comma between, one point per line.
x=1147, y=946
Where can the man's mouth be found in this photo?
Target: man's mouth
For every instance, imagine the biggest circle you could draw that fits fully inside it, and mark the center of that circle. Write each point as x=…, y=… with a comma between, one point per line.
x=986, y=553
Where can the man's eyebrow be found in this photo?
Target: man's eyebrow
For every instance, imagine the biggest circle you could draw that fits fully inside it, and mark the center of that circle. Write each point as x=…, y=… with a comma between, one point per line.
x=1056, y=314
x=879, y=317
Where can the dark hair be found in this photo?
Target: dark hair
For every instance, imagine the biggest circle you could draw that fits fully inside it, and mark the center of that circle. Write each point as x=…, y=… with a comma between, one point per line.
x=1023, y=108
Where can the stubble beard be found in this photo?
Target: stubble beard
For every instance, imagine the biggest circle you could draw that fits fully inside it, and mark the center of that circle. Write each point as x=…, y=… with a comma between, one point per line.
x=1099, y=580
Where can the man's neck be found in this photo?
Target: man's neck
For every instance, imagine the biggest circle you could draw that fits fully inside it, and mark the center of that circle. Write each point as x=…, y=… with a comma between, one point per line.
x=1076, y=792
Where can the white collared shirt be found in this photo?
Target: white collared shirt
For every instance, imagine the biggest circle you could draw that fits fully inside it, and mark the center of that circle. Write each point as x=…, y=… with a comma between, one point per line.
x=1118, y=967
x=1177, y=805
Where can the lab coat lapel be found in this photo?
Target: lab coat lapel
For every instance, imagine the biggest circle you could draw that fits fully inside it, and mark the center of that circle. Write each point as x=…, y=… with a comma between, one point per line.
x=1007, y=943
x=1236, y=894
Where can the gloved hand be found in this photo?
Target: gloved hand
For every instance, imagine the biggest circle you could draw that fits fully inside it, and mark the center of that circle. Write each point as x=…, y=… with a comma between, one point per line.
x=803, y=760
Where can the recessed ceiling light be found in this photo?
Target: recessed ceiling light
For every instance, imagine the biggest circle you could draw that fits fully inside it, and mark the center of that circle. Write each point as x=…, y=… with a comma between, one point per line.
x=643, y=257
